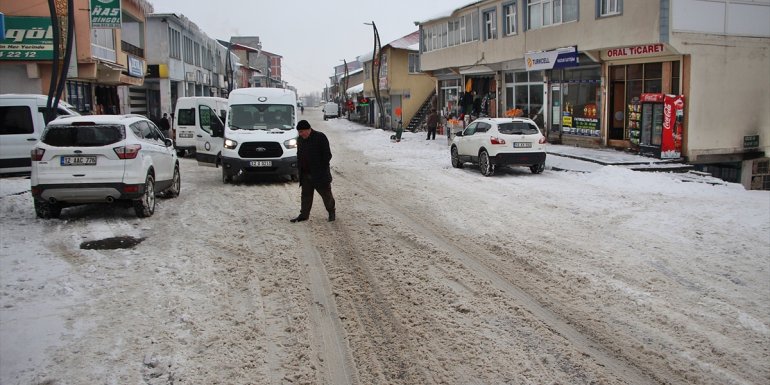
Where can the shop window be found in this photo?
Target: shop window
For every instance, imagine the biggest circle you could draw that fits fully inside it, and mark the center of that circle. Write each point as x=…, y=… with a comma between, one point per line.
x=635, y=71
x=760, y=174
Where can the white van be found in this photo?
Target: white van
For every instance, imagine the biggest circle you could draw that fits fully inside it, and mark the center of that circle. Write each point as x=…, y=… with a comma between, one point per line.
x=260, y=133
x=331, y=110
x=192, y=117
x=22, y=119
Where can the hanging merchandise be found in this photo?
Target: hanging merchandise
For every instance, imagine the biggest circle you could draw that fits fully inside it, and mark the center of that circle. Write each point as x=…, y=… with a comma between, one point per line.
x=469, y=85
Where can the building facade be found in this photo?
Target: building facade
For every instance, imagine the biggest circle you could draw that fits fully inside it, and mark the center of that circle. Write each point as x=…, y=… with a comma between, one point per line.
x=107, y=59
x=596, y=73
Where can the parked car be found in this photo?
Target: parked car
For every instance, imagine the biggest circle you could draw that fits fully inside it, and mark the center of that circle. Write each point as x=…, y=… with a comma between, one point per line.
x=102, y=159
x=22, y=120
x=497, y=142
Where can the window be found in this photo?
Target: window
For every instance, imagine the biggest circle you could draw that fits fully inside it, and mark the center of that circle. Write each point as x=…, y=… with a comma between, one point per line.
x=197, y=54
x=454, y=32
x=186, y=117
x=16, y=120
x=542, y=13
x=524, y=90
x=609, y=7
x=174, y=43
x=414, y=63
x=509, y=19
x=188, y=50
x=490, y=24
x=103, y=44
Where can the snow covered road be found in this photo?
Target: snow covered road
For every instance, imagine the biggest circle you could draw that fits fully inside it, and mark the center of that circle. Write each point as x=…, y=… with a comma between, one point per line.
x=430, y=275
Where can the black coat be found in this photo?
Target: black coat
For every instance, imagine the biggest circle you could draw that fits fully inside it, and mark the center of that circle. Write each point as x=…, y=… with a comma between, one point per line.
x=313, y=156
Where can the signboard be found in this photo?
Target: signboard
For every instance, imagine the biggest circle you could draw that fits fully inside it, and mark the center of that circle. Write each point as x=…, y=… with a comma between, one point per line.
x=558, y=58
x=135, y=66
x=638, y=50
x=105, y=14
x=27, y=38
x=751, y=141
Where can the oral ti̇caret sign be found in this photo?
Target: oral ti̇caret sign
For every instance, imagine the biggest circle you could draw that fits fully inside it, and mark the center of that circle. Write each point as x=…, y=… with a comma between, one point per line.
x=546, y=60
x=634, y=51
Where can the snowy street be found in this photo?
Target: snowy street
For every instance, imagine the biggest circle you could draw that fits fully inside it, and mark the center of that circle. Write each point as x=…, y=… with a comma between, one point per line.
x=430, y=275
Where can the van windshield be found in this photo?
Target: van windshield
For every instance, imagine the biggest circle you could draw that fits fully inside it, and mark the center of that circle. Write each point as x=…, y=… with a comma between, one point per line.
x=261, y=117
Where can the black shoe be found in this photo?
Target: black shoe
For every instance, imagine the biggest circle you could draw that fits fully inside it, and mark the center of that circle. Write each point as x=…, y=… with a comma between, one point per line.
x=332, y=217
x=298, y=219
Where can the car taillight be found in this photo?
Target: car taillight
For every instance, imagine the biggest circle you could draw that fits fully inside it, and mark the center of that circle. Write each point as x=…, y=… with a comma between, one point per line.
x=496, y=140
x=542, y=140
x=37, y=154
x=128, y=152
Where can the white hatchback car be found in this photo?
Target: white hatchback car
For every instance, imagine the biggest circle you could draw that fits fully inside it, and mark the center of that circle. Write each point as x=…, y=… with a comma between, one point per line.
x=493, y=142
x=102, y=159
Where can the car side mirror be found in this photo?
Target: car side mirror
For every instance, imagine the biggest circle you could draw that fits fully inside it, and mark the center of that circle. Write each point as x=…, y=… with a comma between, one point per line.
x=168, y=142
x=217, y=128
x=459, y=133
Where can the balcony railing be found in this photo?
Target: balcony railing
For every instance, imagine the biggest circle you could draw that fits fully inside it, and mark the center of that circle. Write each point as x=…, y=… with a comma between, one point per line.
x=131, y=49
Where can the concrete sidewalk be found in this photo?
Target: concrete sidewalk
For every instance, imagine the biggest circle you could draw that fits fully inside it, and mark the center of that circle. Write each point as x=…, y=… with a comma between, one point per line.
x=611, y=157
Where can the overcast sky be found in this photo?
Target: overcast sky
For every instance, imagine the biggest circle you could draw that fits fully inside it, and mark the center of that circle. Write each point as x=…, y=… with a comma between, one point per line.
x=312, y=36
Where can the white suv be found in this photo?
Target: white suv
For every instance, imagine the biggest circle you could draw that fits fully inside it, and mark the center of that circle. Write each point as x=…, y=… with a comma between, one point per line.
x=492, y=142
x=102, y=158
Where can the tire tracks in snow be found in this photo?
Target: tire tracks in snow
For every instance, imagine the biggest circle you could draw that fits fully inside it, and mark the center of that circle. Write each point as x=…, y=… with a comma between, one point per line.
x=473, y=258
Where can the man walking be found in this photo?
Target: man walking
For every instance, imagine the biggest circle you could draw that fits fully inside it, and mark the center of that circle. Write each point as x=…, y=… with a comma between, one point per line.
x=165, y=126
x=313, y=156
x=431, y=124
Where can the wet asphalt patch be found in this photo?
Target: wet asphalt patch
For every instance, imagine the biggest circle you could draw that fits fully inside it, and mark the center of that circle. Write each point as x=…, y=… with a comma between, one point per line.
x=111, y=243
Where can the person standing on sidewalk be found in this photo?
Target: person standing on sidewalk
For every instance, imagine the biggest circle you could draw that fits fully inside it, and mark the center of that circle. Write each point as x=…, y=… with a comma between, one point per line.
x=313, y=156
x=431, y=124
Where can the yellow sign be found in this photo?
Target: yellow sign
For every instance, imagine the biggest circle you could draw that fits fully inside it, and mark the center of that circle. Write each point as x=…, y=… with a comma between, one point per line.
x=566, y=121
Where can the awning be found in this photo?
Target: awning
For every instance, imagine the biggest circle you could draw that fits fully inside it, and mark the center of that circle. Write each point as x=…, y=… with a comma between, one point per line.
x=476, y=70
x=356, y=89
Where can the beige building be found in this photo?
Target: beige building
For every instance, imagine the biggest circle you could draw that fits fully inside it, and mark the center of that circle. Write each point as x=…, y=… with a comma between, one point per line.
x=403, y=87
x=105, y=62
x=679, y=79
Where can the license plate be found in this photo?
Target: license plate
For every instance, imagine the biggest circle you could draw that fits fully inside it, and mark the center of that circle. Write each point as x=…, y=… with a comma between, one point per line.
x=261, y=163
x=185, y=134
x=522, y=145
x=78, y=161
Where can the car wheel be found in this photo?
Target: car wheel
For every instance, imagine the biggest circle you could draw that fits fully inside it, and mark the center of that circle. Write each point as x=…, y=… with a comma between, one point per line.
x=145, y=206
x=47, y=210
x=456, y=163
x=176, y=184
x=537, y=168
x=485, y=165
x=226, y=178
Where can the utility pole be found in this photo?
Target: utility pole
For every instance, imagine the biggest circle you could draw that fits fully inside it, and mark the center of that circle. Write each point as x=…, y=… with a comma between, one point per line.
x=63, y=26
x=376, y=66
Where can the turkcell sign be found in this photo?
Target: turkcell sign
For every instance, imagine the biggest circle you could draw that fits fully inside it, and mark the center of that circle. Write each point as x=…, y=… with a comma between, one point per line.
x=105, y=14
x=546, y=60
x=27, y=38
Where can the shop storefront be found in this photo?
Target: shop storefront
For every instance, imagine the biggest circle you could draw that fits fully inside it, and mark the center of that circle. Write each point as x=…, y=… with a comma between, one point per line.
x=524, y=95
x=479, y=96
x=575, y=96
x=631, y=73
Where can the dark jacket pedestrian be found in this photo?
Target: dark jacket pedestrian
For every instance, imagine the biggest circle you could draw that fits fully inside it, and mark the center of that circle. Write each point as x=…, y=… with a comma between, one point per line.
x=313, y=156
x=431, y=124
x=165, y=126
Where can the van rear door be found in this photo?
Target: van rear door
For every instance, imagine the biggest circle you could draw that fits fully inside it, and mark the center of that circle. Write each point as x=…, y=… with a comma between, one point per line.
x=209, y=137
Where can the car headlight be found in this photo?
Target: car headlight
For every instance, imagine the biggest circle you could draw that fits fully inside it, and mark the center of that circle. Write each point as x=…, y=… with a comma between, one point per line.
x=291, y=143
x=230, y=144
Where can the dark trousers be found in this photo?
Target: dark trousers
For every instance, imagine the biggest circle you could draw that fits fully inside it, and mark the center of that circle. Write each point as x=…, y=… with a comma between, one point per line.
x=308, y=190
x=431, y=132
